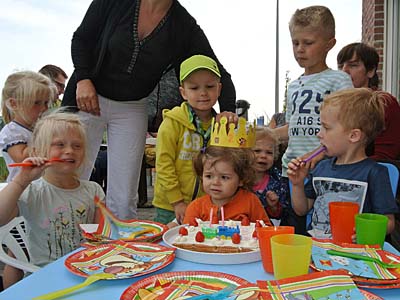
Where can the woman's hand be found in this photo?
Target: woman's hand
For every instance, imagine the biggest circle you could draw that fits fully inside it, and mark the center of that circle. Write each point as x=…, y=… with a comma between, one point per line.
x=86, y=97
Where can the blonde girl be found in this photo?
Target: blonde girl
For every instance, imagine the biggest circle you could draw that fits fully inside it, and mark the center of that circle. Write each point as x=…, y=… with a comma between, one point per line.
x=58, y=201
x=25, y=97
x=270, y=187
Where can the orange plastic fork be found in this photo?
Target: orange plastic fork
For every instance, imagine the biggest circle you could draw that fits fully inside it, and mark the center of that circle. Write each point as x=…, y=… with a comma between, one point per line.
x=30, y=164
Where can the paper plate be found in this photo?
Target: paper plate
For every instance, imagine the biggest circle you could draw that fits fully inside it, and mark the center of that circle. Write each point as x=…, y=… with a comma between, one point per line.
x=124, y=260
x=370, y=296
x=370, y=275
x=153, y=231
x=209, y=258
x=187, y=284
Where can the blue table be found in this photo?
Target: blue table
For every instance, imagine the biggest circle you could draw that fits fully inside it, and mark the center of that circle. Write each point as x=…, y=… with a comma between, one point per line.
x=55, y=276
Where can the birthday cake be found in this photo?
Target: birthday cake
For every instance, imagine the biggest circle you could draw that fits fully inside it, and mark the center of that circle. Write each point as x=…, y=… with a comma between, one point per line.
x=225, y=237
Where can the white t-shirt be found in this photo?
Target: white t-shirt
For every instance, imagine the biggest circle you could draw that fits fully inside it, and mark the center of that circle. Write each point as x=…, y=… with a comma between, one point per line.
x=304, y=98
x=53, y=216
x=13, y=134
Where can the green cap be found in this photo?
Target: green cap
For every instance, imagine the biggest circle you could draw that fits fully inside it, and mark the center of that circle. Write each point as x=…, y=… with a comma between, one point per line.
x=197, y=62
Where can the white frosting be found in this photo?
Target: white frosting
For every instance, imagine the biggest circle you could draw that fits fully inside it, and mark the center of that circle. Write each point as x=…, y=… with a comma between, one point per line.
x=246, y=234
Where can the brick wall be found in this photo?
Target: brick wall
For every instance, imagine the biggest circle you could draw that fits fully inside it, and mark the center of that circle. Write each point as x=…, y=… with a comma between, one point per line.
x=373, y=28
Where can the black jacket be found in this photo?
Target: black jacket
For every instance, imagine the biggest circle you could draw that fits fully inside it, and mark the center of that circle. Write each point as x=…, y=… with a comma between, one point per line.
x=178, y=38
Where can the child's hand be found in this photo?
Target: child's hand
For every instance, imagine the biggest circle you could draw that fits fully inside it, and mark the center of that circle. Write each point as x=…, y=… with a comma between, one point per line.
x=354, y=236
x=230, y=116
x=172, y=224
x=180, y=208
x=297, y=170
x=316, y=159
x=272, y=199
x=27, y=174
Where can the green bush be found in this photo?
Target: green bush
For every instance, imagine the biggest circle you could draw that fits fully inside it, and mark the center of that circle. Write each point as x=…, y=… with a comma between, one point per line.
x=3, y=170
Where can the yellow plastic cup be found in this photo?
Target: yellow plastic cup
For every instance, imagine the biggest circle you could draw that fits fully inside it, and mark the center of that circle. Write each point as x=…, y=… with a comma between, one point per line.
x=291, y=255
x=264, y=235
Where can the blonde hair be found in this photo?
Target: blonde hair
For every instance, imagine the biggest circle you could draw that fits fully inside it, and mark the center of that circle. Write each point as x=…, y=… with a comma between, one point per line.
x=57, y=123
x=360, y=108
x=242, y=160
x=317, y=17
x=263, y=132
x=25, y=88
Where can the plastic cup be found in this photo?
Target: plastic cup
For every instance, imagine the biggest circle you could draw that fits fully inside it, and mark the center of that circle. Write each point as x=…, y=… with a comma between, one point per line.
x=264, y=235
x=291, y=255
x=371, y=229
x=341, y=215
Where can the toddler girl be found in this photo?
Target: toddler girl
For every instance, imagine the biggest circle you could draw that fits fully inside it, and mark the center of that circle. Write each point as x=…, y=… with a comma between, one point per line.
x=271, y=188
x=227, y=175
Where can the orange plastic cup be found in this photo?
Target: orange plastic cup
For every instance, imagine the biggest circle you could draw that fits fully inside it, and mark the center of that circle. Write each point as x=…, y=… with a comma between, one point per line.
x=342, y=220
x=264, y=235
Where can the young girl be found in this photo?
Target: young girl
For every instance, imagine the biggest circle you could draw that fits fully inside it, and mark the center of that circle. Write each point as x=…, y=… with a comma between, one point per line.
x=227, y=175
x=26, y=95
x=271, y=188
x=58, y=201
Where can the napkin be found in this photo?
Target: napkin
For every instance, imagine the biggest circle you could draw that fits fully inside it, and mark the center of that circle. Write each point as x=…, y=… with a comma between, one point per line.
x=321, y=285
x=112, y=228
x=324, y=261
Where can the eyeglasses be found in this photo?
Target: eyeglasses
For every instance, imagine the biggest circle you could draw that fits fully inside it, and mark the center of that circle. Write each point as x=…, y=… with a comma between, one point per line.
x=59, y=84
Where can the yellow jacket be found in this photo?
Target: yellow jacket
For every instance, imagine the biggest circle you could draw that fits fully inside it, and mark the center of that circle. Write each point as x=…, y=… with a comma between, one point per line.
x=177, y=143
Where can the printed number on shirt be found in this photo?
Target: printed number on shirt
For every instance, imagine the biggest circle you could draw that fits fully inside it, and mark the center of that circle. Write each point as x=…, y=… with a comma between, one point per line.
x=305, y=98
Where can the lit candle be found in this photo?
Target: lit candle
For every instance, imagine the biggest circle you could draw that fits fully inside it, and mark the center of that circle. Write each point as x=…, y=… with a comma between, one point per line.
x=222, y=215
x=211, y=215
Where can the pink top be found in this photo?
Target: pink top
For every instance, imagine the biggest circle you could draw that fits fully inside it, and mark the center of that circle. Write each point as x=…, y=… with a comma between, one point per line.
x=262, y=184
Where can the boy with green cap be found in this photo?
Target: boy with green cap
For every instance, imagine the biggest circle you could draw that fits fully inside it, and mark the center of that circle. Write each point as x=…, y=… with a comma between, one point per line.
x=184, y=131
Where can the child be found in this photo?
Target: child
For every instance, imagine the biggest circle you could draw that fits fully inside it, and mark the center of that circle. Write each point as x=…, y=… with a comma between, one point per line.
x=361, y=61
x=313, y=35
x=227, y=175
x=26, y=96
x=350, y=120
x=58, y=202
x=184, y=131
x=270, y=187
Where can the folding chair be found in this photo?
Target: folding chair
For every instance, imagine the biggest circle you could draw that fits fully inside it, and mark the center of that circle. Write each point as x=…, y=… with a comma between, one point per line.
x=16, y=245
x=393, y=176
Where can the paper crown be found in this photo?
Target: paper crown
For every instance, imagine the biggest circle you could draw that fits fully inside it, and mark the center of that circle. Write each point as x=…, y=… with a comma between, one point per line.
x=244, y=136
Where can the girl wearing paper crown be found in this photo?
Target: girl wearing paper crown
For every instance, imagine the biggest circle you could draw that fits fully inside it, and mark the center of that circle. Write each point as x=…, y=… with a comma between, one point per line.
x=184, y=131
x=227, y=173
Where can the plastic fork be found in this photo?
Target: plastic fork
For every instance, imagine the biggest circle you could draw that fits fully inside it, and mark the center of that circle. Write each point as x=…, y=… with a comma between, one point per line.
x=221, y=294
x=30, y=164
x=66, y=291
x=322, y=149
x=363, y=257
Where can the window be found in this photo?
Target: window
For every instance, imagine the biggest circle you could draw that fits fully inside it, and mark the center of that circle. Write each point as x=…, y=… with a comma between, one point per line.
x=391, y=67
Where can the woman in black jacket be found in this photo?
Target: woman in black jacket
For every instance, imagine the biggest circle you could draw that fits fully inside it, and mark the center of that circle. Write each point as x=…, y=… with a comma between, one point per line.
x=120, y=51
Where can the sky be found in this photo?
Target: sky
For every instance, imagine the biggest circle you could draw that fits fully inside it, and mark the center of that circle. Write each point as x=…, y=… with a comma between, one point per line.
x=34, y=33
